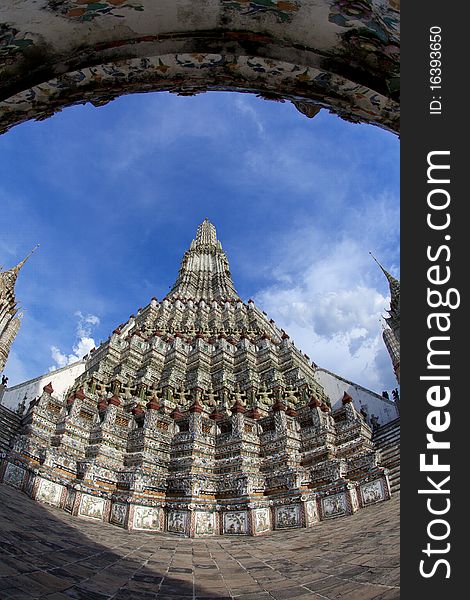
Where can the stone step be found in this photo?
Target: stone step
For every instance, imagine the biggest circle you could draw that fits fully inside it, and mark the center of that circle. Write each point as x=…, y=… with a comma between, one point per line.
x=9, y=425
x=392, y=446
x=388, y=455
x=386, y=437
x=392, y=443
x=392, y=465
x=387, y=440
x=8, y=431
x=389, y=425
x=389, y=444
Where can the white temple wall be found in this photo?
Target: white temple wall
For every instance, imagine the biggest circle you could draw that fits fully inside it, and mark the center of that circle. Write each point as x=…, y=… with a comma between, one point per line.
x=373, y=403
x=61, y=380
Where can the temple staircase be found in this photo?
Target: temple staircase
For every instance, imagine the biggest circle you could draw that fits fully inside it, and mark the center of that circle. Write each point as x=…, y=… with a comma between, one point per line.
x=9, y=425
x=387, y=439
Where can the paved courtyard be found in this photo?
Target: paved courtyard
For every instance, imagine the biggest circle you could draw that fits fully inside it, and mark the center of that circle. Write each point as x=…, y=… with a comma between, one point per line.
x=47, y=553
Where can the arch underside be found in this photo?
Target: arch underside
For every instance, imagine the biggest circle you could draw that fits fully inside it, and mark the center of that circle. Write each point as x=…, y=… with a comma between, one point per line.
x=314, y=53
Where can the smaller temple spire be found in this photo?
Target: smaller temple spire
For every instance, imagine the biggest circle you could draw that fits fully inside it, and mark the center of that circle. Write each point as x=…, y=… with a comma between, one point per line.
x=391, y=335
x=9, y=320
x=394, y=284
x=9, y=276
x=20, y=264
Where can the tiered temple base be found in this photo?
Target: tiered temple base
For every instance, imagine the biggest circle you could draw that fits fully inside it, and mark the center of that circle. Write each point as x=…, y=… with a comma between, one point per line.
x=193, y=473
x=198, y=416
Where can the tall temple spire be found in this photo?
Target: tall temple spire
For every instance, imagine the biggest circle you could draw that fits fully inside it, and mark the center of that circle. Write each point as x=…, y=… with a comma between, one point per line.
x=204, y=272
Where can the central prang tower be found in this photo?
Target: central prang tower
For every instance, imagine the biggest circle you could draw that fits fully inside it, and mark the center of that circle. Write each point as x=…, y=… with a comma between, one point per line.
x=198, y=416
x=204, y=273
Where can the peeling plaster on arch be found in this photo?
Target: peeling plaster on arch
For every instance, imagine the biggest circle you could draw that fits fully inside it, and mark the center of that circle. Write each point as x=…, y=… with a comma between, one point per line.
x=335, y=54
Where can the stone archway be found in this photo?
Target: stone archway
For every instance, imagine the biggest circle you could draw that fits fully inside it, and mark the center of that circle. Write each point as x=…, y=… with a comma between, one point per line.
x=342, y=55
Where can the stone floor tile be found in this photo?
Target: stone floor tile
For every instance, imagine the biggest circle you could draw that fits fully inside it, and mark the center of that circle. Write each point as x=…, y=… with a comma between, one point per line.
x=393, y=594
x=365, y=592
x=78, y=593
x=253, y=596
x=133, y=595
x=73, y=558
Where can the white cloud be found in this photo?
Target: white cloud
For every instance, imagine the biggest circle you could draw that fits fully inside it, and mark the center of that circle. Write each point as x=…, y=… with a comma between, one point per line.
x=85, y=324
x=83, y=342
x=242, y=105
x=15, y=369
x=162, y=121
x=331, y=310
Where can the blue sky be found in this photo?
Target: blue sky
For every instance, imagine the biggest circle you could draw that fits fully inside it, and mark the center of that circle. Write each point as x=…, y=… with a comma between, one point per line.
x=114, y=196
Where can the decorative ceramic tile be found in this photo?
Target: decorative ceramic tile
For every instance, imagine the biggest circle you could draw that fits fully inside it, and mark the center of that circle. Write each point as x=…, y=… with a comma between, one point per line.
x=235, y=522
x=261, y=520
x=283, y=10
x=176, y=521
x=49, y=492
x=148, y=517
x=287, y=516
x=334, y=506
x=311, y=514
x=372, y=492
x=69, y=501
x=14, y=475
x=91, y=506
x=85, y=10
x=205, y=523
x=118, y=514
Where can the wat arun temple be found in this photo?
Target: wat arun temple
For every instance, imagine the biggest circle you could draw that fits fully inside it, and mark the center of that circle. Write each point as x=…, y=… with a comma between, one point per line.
x=199, y=417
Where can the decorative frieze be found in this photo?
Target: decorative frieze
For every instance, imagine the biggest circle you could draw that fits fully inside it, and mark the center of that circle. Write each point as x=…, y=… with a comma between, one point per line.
x=177, y=522
x=261, y=520
x=49, y=492
x=235, y=523
x=334, y=506
x=91, y=507
x=118, y=515
x=373, y=492
x=205, y=523
x=311, y=513
x=14, y=475
x=70, y=500
x=286, y=517
x=148, y=518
